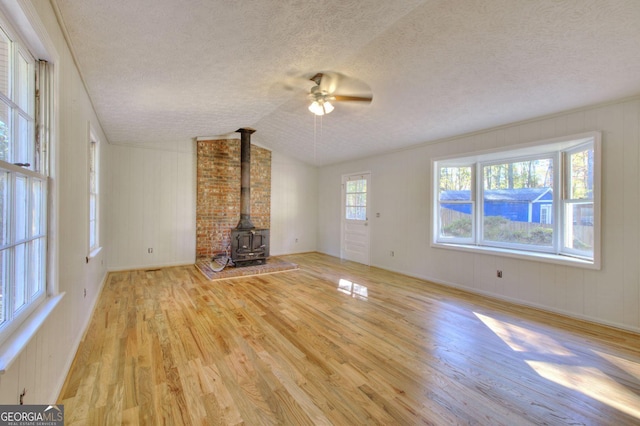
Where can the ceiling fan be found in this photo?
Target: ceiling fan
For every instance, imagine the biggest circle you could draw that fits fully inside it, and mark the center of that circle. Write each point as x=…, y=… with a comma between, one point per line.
x=335, y=87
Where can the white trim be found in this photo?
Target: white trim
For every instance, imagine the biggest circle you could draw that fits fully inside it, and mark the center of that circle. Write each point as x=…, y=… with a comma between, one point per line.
x=518, y=302
x=521, y=254
x=146, y=267
x=95, y=145
x=548, y=148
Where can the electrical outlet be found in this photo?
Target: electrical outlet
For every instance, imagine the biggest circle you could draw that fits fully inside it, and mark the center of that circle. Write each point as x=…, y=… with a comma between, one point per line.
x=499, y=273
x=149, y=250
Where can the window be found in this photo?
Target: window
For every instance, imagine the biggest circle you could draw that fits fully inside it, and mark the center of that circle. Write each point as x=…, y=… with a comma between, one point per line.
x=94, y=242
x=539, y=200
x=356, y=201
x=23, y=189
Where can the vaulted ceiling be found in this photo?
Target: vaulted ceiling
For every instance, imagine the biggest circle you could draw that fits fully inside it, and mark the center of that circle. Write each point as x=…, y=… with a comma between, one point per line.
x=163, y=72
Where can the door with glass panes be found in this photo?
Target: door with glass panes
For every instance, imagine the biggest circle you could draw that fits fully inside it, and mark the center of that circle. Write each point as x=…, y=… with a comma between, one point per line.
x=355, y=217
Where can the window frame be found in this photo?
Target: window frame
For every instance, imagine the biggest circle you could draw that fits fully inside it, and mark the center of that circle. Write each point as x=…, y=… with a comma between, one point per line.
x=93, y=190
x=14, y=317
x=550, y=148
x=480, y=237
x=472, y=202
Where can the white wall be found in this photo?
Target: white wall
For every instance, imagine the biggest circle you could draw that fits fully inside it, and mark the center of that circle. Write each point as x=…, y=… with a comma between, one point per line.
x=401, y=184
x=294, y=207
x=42, y=367
x=152, y=204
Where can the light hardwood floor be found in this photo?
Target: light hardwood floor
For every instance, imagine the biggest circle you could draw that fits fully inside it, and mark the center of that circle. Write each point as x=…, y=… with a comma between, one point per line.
x=339, y=343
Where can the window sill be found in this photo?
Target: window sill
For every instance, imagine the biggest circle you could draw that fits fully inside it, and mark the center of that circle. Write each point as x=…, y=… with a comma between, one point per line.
x=15, y=344
x=94, y=253
x=533, y=256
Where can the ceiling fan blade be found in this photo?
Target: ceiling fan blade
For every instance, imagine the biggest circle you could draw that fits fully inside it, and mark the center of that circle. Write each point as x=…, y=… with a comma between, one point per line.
x=346, y=98
x=329, y=81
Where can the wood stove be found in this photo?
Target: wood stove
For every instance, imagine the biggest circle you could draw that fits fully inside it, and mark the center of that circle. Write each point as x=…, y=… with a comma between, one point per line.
x=249, y=245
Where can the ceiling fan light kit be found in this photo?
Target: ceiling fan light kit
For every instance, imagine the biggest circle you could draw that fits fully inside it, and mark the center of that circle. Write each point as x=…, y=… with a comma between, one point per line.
x=322, y=94
x=321, y=107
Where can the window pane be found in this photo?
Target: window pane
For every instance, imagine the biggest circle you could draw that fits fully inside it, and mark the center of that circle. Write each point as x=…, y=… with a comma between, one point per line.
x=20, y=259
x=455, y=220
x=581, y=175
x=535, y=173
x=357, y=213
x=4, y=208
x=36, y=207
x=92, y=207
x=517, y=201
x=23, y=142
x=5, y=133
x=23, y=84
x=456, y=209
x=5, y=63
x=357, y=200
x=579, y=233
x=21, y=208
x=359, y=185
x=455, y=183
x=351, y=213
x=4, y=281
x=36, y=266
x=92, y=234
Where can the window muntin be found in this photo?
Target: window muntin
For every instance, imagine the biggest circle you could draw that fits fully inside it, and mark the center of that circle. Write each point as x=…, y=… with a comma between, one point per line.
x=555, y=183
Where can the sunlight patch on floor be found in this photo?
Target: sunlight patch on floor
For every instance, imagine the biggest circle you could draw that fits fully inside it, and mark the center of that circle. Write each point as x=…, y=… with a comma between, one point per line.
x=630, y=367
x=591, y=382
x=521, y=339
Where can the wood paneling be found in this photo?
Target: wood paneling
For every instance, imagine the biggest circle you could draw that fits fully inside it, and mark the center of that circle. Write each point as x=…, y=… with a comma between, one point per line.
x=152, y=204
x=340, y=343
x=610, y=295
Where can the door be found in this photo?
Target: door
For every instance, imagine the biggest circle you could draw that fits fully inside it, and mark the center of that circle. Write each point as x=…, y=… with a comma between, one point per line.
x=355, y=217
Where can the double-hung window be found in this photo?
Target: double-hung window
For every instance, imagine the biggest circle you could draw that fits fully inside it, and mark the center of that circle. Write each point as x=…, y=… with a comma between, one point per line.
x=23, y=189
x=540, y=200
x=94, y=241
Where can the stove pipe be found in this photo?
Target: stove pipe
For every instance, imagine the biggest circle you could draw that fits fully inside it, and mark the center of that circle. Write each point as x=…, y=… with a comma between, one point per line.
x=245, y=182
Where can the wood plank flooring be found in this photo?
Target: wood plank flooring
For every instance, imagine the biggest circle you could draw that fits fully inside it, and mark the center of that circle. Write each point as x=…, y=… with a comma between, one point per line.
x=339, y=343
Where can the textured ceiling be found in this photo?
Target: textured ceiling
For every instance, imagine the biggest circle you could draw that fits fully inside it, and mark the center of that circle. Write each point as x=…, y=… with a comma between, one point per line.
x=168, y=71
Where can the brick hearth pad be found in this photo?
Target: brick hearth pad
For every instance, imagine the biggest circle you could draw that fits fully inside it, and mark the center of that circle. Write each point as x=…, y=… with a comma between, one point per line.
x=273, y=264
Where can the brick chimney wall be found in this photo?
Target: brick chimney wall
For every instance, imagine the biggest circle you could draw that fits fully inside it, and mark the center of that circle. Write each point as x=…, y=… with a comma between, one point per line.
x=218, y=198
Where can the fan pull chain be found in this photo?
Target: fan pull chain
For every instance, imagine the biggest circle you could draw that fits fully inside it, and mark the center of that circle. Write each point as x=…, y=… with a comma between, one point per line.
x=315, y=135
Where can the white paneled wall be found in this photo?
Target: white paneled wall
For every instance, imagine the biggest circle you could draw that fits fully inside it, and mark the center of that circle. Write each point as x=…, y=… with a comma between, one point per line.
x=152, y=204
x=152, y=200
x=401, y=194
x=294, y=206
x=41, y=367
